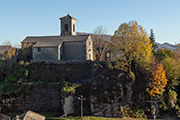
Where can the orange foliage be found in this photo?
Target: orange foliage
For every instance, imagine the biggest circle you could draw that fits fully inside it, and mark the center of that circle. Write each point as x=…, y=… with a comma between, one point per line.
x=158, y=82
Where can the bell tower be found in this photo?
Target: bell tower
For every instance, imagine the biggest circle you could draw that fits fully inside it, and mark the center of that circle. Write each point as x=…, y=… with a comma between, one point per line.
x=68, y=25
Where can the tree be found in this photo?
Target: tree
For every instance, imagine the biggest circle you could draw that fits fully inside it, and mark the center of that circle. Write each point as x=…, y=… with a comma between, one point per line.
x=161, y=54
x=172, y=66
x=131, y=42
x=152, y=38
x=100, y=42
x=158, y=81
x=7, y=43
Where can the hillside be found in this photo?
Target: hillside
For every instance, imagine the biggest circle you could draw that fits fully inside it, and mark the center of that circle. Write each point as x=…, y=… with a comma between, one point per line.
x=167, y=45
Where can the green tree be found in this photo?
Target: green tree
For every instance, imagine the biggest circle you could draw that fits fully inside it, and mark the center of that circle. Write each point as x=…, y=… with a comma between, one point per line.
x=172, y=68
x=161, y=54
x=131, y=42
x=152, y=38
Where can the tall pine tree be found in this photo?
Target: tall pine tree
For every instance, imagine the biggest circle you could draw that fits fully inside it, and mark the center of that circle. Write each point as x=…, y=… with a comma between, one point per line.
x=152, y=38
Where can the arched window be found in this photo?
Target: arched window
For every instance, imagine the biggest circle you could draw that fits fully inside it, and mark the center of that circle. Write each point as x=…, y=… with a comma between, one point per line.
x=73, y=27
x=66, y=27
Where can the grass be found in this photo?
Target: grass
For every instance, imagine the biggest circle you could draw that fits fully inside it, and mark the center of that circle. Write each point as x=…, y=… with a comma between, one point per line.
x=49, y=116
x=96, y=118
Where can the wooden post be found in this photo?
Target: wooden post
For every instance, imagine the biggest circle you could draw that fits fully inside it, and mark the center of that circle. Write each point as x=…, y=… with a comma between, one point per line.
x=81, y=105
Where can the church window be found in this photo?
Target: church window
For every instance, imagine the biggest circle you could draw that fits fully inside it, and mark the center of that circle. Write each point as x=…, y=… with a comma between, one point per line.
x=73, y=27
x=89, y=42
x=66, y=27
x=39, y=49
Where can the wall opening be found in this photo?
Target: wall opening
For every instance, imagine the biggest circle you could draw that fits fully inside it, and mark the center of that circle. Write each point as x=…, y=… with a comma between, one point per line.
x=66, y=27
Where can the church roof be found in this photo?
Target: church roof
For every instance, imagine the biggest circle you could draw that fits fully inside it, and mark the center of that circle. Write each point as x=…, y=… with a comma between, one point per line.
x=67, y=17
x=53, y=41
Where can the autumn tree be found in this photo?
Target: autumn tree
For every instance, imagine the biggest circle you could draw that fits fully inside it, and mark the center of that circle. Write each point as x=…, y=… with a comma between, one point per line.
x=25, y=53
x=152, y=38
x=131, y=42
x=100, y=42
x=158, y=81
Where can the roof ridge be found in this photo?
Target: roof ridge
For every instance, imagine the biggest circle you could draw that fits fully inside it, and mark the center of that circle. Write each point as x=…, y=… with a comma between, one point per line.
x=57, y=36
x=67, y=16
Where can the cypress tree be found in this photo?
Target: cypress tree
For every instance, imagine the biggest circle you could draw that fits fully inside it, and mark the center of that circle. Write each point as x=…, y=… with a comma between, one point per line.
x=152, y=38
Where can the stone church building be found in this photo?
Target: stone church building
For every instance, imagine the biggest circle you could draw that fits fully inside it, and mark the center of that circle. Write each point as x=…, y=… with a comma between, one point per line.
x=67, y=46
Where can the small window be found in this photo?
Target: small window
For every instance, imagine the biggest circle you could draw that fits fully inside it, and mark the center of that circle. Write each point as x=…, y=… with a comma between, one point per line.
x=39, y=49
x=89, y=42
x=66, y=27
x=73, y=27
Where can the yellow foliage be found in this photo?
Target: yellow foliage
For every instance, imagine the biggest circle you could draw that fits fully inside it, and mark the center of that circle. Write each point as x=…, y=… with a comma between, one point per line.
x=158, y=82
x=10, y=53
x=132, y=43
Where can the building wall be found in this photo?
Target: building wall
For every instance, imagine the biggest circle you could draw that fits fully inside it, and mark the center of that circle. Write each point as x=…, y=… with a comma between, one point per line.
x=89, y=49
x=74, y=50
x=73, y=22
x=61, y=51
x=48, y=53
x=70, y=23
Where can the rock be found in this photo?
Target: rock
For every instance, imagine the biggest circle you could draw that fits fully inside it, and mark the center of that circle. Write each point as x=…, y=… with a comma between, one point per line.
x=98, y=114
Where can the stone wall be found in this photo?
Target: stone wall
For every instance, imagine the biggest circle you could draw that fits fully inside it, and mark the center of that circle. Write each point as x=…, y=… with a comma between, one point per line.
x=57, y=71
x=35, y=97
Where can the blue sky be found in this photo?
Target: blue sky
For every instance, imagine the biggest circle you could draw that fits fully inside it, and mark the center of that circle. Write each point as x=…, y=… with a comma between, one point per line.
x=21, y=18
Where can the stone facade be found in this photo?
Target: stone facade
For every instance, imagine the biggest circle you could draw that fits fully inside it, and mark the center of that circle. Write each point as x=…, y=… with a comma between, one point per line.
x=89, y=49
x=68, y=25
x=68, y=46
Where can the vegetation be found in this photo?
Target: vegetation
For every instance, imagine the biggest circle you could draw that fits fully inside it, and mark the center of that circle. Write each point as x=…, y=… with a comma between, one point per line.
x=158, y=81
x=152, y=38
x=143, y=82
x=100, y=44
x=131, y=43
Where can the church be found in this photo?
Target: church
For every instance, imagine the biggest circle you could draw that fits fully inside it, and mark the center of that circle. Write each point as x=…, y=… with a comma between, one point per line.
x=67, y=46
